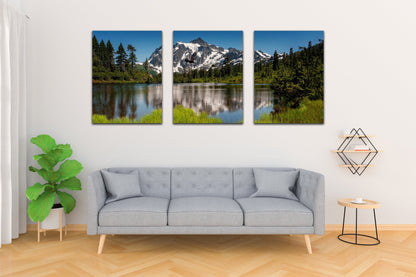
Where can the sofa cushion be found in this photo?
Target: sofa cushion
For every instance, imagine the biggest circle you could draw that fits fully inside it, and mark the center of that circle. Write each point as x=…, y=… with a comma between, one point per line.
x=154, y=181
x=275, y=183
x=190, y=182
x=275, y=212
x=204, y=211
x=121, y=186
x=137, y=211
x=244, y=183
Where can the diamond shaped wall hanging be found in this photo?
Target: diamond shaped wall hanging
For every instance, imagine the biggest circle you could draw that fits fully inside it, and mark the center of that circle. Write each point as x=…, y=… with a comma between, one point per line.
x=364, y=152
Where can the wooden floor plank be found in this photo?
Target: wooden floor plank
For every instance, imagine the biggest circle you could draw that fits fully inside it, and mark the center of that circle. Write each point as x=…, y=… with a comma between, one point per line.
x=225, y=256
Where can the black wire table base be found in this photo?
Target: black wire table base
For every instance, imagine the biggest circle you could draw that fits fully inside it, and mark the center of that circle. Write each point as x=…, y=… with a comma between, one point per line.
x=360, y=235
x=356, y=234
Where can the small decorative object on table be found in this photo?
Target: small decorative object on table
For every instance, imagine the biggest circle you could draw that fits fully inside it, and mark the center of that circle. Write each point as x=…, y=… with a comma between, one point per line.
x=42, y=197
x=359, y=203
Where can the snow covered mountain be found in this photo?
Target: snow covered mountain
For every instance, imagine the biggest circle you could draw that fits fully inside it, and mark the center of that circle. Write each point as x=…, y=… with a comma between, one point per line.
x=207, y=55
x=261, y=56
x=156, y=61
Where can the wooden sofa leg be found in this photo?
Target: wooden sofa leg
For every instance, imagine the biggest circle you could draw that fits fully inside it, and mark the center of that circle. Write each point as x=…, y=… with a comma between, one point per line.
x=308, y=244
x=101, y=244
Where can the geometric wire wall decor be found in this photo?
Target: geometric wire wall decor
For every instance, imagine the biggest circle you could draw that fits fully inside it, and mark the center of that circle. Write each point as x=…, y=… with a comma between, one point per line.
x=365, y=147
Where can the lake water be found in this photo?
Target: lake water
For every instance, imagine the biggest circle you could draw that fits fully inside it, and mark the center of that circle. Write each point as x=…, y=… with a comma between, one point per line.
x=264, y=100
x=126, y=100
x=224, y=101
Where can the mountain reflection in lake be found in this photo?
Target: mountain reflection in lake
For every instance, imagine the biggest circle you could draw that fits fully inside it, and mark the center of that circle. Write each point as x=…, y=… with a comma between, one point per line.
x=126, y=100
x=264, y=100
x=224, y=101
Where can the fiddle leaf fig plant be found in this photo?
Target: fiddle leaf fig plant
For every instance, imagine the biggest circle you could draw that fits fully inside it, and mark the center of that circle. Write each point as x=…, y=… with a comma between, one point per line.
x=42, y=196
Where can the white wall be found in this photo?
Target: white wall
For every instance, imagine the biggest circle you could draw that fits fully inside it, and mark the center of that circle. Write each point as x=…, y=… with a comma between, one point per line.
x=370, y=63
x=16, y=3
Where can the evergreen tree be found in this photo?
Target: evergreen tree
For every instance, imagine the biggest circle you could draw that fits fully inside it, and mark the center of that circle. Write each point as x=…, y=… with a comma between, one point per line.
x=121, y=58
x=95, y=46
x=275, y=60
x=146, y=65
x=291, y=60
x=102, y=52
x=110, y=55
x=299, y=75
x=95, y=50
x=132, y=59
x=227, y=66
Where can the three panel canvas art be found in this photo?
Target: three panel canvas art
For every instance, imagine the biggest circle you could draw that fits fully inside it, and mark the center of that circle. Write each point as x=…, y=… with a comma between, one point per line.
x=208, y=77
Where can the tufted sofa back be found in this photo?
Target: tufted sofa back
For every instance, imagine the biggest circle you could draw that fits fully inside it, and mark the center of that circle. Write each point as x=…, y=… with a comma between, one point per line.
x=154, y=181
x=188, y=182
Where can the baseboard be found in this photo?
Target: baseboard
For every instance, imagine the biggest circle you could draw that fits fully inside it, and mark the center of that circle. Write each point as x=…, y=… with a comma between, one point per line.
x=328, y=227
x=71, y=227
x=370, y=227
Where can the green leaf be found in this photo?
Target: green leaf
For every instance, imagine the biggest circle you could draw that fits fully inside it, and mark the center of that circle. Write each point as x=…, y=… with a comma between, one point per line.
x=50, y=176
x=72, y=184
x=33, y=192
x=41, y=172
x=46, y=163
x=44, y=142
x=39, y=209
x=65, y=153
x=67, y=201
x=37, y=157
x=68, y=169
x=53, y=176
x=49, y=160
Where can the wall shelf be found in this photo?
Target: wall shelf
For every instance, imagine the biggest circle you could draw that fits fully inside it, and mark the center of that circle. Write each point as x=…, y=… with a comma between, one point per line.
x=357, y=165
x=357, y=151
x=357, y=136
x=343, y=151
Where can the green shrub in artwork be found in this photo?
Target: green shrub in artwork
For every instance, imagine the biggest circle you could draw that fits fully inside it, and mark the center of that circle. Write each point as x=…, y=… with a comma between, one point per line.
x=154, y=118
x=308, y=112
x=185, y=115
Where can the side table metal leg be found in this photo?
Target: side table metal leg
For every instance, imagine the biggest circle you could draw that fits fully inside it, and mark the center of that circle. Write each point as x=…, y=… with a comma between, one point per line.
x=375, y=222
x=356, y=223
x=343, y=221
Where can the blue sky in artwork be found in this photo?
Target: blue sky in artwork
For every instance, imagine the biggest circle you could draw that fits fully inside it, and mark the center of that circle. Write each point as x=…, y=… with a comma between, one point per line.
x=224, y=39
x=282, y=41
x=145, y=42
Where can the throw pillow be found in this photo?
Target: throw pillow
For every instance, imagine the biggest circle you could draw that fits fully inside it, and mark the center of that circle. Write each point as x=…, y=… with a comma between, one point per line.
x=275, y=183
x=121, y=186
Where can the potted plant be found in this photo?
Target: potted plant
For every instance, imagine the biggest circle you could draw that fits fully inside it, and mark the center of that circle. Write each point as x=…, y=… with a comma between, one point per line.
x=42, y=196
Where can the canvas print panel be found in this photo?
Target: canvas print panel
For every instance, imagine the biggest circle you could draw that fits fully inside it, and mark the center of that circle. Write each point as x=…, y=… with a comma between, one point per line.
x=208, y=77
x=289, y=77
x=127, y=77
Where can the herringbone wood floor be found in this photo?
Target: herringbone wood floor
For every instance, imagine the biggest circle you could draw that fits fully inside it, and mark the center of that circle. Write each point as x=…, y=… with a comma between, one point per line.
x=199, y=256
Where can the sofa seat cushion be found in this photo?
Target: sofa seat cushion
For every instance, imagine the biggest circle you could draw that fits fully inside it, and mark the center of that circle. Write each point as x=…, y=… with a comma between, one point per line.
x=204, y=211
x=275, y=212
x=137, y=211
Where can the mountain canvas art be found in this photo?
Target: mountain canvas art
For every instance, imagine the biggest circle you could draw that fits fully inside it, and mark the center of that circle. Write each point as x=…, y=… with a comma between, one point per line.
x=208, y=77
x=127, y=77
x=289, y=77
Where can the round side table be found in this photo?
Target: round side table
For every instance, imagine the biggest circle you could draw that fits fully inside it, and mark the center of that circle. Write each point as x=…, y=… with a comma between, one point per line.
x=368, y=204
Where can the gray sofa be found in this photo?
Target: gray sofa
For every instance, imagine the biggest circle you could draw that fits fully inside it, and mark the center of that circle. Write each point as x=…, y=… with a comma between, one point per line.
x=205, y=201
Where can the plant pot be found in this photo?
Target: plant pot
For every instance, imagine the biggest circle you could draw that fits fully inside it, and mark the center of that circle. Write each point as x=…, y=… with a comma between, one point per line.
x=52, y=221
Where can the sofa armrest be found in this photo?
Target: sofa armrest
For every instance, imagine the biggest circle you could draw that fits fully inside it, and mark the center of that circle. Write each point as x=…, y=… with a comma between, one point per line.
x=311, y=192
x=96, y=199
